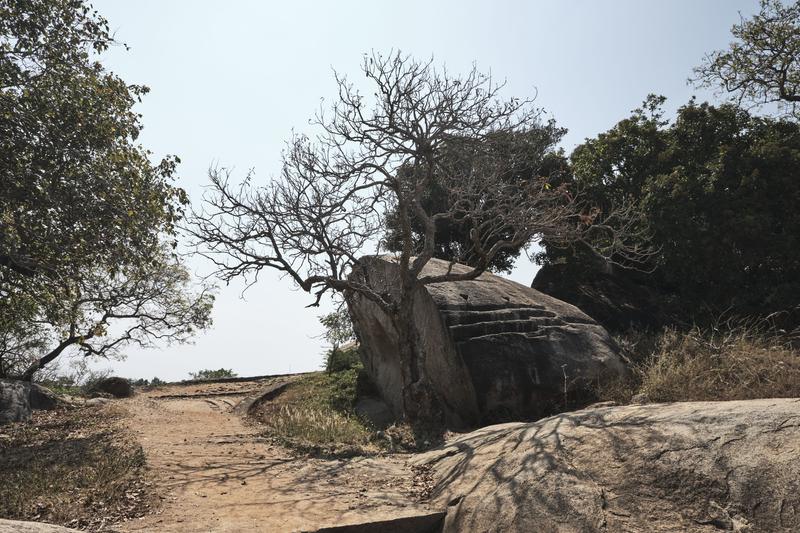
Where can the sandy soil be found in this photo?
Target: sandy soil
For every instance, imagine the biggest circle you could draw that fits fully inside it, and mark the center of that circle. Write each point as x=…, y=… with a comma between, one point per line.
x=216, y=474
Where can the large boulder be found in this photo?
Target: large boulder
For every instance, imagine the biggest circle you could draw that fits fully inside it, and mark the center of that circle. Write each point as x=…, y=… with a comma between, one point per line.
x=689, y=467
x=15, y=403
x=115, y=386
x=42, y=398
x=495, y=349
x=615, y=299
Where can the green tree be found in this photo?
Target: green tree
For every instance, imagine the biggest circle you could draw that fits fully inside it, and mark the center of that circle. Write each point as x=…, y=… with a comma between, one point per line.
x=720, y=192
x=533, y=156
x=99, y=314
x=762, y=65
x=81, y=203
x=338, y=331
x=74, y=185
x=207, y=374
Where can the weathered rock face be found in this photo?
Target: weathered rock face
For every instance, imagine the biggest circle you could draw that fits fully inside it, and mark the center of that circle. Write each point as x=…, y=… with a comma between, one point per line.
x=115, y=386
x=688, y=467
x=14, y=401
x=613, y=299
x=374, y=411
x=42, y=398
x=495, y=349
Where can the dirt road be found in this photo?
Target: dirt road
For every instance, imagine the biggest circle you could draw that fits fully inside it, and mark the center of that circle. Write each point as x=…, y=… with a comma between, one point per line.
x=216, y=474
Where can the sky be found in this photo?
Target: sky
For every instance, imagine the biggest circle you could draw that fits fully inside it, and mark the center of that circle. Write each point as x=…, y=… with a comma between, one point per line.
x=230, y=81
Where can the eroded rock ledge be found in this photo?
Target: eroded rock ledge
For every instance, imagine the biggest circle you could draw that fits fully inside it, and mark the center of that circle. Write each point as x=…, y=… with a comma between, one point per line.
x=695, y=466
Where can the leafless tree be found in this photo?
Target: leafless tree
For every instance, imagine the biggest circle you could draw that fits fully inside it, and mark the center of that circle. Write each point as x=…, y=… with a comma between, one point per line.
x=375, y=156
x=98, y=313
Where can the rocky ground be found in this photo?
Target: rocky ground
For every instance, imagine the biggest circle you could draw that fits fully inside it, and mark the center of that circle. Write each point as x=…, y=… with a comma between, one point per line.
x=698, y=467
x=686, y=466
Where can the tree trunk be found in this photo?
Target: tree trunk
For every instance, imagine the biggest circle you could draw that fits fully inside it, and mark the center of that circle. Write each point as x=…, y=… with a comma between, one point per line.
x=421, y=404
x=44, y=360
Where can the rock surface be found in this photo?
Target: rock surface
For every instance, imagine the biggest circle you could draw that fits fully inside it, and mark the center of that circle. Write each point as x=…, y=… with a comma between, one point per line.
x=115, y=386
x=681, y=467
x=16, y=526
x=496, y=350
x=14, y=401
x=425, y=522
x=94, y=402
x=614, y=299
x=374, y=411
x=42, y=398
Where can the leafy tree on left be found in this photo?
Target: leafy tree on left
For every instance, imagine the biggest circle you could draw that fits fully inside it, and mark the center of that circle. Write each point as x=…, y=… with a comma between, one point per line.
x=87, y=220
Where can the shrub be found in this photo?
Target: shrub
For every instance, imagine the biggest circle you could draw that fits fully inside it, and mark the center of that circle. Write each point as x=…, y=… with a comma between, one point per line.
x=148, y=383
x=316, y=427
x=115, y=386
x=341, y=359
x=90, y=379
x=213, y=374
x=734, y=364
x=730, y=362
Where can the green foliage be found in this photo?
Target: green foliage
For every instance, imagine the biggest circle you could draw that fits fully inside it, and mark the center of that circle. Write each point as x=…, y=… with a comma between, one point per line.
x=148, y=383
x=86, y=219
x=338, y=331
x=75, y=186
x=21, y=336
x=762, y=64
x=720, y=192
x=338, y=327
x=220, y=373
x=338, y=359
x=533, y=154
x=336, y=391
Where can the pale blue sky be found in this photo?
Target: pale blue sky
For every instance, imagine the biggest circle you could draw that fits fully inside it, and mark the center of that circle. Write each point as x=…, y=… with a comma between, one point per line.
x=230, y=80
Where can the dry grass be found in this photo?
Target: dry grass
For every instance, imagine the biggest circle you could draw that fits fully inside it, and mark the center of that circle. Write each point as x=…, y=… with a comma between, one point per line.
x=71, y=467
x=315, y=414
x=734, y=362
x=735, y=365
x=315, y=427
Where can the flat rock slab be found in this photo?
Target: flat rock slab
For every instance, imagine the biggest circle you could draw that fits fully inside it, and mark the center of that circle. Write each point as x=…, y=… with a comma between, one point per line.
x=15, y=526
x=688, y=467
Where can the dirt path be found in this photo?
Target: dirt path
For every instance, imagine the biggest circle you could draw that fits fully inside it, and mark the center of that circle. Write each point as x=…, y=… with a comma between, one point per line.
x=217, y=475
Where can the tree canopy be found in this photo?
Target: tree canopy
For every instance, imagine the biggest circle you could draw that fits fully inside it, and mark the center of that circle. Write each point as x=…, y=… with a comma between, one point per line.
x=762, y=64
x=75, y=186
x=719, y=190
x=537, y=159
x=83, y=209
